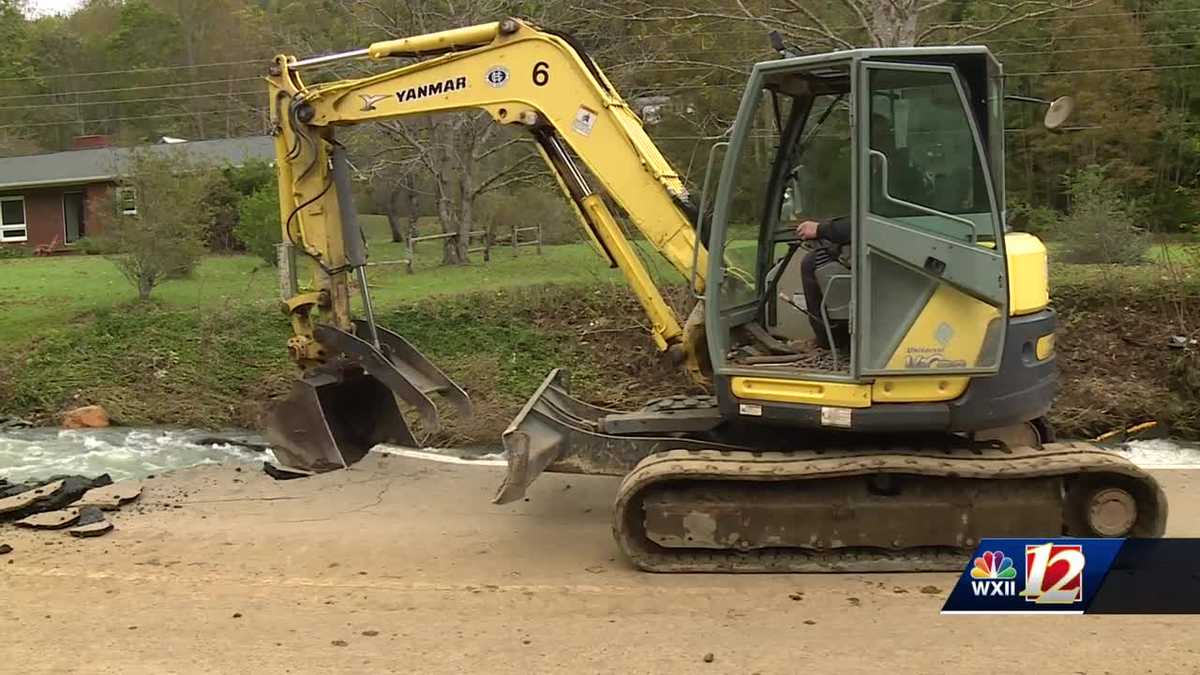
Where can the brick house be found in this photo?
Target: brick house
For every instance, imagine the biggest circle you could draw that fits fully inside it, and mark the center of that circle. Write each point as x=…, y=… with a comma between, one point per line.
x=45, y=199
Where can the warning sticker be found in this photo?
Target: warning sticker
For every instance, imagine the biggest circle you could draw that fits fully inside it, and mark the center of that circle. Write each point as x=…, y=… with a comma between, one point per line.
x=585, y=120
x=751, y=409
x=835, y=417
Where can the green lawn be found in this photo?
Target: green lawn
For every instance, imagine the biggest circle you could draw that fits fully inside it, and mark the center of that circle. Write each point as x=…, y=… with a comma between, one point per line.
x=44, y=294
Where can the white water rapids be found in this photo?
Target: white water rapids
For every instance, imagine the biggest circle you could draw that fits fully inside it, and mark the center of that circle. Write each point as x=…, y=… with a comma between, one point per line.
x=136, y=453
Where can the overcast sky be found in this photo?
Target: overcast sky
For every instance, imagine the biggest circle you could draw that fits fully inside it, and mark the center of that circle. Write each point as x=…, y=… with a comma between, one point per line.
x=40, y=7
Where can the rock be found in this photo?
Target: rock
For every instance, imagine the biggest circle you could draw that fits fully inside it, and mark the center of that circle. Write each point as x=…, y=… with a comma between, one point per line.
x=92, y=530
x=89, y=515
x=50, y=520
x=339, y=643
x=87, y=417
x=5, y=549
x=709, y=657
x=931, y=590
x=112, y=496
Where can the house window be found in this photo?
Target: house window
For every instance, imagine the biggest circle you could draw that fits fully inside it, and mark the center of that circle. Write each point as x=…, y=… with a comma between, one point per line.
x=12, y=220
x=127, y=200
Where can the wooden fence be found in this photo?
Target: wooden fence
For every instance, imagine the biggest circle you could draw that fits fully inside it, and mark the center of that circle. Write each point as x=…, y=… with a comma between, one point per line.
x=484, y=245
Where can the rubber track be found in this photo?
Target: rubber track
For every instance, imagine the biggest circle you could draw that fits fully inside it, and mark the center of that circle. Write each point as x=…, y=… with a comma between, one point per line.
x=1068, y=460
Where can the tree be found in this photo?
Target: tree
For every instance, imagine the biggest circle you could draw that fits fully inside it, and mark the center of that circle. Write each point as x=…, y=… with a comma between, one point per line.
x=163, y=236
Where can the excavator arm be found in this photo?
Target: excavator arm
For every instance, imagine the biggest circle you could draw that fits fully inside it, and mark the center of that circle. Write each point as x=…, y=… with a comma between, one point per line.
x=522, y=76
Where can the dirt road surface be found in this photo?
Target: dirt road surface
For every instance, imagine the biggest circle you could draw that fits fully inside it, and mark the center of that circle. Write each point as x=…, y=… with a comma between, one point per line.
x=404, y=566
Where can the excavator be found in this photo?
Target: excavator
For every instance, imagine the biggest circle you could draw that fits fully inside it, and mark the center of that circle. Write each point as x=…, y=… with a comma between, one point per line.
x=915, y=428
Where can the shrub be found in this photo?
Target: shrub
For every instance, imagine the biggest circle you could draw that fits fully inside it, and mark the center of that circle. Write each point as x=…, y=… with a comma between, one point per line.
x=14, y=252
x=258, y=224
x=1036, y=220
x=165, y=238
x=226, y=195
x=1101, y=226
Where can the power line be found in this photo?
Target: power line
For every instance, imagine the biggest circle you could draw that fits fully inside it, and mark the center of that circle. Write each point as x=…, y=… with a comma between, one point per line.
x=255, y=111
x=138, y=88
x=132, y=71
x=80, y=104
x=1084, y=71
x=1100, y=49
x=1058, y=16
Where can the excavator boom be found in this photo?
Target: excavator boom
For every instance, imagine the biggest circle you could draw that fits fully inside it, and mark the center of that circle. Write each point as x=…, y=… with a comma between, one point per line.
x=536, y=81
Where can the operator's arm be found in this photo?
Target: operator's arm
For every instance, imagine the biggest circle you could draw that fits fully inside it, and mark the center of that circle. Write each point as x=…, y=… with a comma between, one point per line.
x=834, y=230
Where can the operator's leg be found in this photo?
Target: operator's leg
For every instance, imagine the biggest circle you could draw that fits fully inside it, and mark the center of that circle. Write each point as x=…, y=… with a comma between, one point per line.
x=812, y=293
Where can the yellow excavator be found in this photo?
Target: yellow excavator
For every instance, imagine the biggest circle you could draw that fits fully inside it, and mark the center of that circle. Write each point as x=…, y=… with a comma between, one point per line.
x=878, y=399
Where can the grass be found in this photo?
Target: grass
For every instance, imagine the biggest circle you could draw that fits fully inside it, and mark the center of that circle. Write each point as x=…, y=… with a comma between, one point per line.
x=40, y=295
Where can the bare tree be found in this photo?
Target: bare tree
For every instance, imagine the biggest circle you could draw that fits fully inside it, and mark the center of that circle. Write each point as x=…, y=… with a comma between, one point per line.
x=845, y=24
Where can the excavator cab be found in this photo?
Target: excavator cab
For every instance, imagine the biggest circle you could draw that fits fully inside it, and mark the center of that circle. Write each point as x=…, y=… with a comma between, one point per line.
x=904, y=148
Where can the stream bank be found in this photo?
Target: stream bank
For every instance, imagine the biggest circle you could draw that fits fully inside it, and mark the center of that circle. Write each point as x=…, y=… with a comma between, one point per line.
x=152, y=366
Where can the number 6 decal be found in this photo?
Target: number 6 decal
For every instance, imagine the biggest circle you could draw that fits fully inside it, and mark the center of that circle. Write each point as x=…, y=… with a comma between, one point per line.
x=541, y=73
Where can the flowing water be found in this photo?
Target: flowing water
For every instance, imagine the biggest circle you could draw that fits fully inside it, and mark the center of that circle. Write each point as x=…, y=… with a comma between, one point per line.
x=136, y=453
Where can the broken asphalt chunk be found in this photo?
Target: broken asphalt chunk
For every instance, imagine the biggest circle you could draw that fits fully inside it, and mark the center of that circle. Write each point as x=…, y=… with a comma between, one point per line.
x=283, y=474
x=50, y=520
x=89, y=515
x=112, y=496
x=24, y=500
x=92, y=529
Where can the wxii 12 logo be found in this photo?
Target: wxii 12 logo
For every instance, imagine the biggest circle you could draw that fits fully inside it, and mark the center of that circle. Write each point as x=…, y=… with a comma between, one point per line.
x=1053, y=574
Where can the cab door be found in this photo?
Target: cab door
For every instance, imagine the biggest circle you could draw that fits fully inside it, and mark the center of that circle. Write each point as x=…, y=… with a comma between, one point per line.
x=930, y=285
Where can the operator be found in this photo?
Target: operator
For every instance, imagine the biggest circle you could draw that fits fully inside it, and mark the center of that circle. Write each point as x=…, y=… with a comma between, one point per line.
x=835, y=233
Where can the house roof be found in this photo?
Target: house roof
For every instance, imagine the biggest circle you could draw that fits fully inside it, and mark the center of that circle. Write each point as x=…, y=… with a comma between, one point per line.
x=105, y=164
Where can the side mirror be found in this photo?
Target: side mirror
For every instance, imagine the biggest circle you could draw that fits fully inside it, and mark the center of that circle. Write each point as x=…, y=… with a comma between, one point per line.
x=1059, y=112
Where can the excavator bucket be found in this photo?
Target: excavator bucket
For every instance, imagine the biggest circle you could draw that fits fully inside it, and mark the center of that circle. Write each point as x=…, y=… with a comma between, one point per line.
x=338, y=411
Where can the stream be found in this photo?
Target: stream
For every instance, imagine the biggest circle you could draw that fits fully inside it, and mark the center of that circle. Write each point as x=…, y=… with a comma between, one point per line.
x=136, y=453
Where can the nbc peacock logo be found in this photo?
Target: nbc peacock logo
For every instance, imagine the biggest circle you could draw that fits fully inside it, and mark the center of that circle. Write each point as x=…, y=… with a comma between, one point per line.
x=993, y=574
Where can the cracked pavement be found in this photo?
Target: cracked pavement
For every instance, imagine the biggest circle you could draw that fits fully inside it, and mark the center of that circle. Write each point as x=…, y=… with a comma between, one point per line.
x=400, y=565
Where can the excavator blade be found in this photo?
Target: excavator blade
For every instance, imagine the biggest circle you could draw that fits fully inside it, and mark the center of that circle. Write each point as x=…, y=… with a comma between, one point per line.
x=338, y=411
x=557, y=432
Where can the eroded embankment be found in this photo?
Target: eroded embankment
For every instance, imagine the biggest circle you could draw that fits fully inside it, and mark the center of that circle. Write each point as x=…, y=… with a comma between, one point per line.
x=155, y=366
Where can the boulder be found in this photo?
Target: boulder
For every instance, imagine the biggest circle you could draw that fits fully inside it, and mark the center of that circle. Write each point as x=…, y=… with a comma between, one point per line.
x=87, y=417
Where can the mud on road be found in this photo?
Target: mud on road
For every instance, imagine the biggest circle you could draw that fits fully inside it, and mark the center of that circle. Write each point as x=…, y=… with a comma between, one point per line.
x=401, y=565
